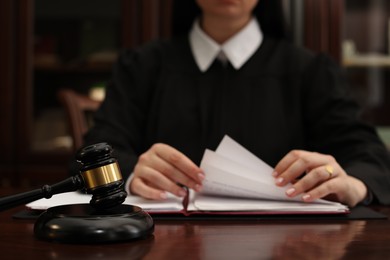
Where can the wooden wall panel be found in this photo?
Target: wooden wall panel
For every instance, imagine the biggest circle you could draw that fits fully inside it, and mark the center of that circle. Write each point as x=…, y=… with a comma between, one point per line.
x=323, y=24
x=23, y=76
x=6, y=79
x=145, y=20
x=7, y=96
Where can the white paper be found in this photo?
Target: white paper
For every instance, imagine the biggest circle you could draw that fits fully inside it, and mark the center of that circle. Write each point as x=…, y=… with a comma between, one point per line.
x=234, y=171
x=229, y=178
x=208, y=203
x=172, y=203
x=236, y=152
x=60, y=199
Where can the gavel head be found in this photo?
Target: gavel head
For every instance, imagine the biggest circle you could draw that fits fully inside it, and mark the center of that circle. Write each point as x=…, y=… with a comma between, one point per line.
x=101, y=176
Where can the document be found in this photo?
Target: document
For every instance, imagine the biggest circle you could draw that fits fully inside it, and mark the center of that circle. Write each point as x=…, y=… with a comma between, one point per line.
x=236, y=182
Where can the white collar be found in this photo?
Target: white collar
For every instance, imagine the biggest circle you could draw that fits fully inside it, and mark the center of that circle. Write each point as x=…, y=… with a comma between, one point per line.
x=237, y=50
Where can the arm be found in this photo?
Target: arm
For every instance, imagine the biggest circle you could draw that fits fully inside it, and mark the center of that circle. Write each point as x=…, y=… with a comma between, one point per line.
x=121, y=119
x=359, y=158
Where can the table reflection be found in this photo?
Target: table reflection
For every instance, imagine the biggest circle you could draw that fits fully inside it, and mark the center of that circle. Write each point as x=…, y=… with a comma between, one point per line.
x=319, y=242
x=255, y=241
x=135, y=249
x=222, y=240
x=176, y=241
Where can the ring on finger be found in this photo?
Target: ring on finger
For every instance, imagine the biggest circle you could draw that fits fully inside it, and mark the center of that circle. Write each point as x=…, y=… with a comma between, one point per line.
x=329, y=170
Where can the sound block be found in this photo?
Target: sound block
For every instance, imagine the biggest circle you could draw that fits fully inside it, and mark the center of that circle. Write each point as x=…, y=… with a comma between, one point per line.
x=82, y=224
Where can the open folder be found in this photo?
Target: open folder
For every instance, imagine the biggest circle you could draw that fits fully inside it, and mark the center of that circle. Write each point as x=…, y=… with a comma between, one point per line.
x=236, y=182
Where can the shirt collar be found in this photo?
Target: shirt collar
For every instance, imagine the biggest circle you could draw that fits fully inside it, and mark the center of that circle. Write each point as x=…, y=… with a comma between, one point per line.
x=237, y=50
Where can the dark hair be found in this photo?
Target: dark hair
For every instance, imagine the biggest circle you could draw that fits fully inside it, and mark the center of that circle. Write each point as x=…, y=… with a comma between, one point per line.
x=268, y=12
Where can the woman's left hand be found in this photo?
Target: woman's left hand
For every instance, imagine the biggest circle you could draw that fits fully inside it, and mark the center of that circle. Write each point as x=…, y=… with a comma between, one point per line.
x=316, y=176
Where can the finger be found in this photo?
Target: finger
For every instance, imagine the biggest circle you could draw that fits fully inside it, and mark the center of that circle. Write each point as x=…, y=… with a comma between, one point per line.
x=174, y=173
x=154, y=178
x=311, y=180
x=297, y=162
x=321, y=191
x=286, y=161
x=335, y=190
x=295, y=170
x=181, y=162
x=311, y=159
x=138, y=187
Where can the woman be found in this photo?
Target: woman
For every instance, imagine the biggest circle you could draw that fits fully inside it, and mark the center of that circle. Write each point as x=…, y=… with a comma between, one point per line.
x=172, y=99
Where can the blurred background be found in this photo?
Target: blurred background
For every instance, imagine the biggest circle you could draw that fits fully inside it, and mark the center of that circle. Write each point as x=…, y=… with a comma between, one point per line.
x=50, y=45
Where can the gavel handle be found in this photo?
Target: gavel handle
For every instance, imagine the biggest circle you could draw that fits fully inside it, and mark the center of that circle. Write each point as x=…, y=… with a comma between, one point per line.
x=71, y=184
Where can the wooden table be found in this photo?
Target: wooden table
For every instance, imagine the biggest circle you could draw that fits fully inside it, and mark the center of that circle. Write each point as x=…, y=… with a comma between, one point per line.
x=210, y=239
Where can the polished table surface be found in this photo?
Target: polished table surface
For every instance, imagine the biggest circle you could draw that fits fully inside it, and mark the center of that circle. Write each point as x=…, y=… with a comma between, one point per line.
x=215, y=239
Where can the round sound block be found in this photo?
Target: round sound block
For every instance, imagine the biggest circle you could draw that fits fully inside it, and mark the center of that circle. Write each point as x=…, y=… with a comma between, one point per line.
x=82, y=224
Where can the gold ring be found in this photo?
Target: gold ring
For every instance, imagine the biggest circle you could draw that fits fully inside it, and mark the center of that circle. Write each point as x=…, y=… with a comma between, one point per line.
x=329, y=169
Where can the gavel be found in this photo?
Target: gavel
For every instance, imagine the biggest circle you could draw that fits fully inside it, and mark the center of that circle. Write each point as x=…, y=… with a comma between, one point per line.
x=99, y=175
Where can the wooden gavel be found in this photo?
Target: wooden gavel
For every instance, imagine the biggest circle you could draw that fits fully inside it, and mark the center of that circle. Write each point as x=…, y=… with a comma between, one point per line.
x=99, y=175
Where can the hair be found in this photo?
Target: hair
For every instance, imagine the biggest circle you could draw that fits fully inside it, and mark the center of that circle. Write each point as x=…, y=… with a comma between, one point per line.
x=268, y=12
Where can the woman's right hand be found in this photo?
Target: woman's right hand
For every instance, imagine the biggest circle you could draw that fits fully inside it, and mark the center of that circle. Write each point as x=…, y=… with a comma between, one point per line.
x=164, y=169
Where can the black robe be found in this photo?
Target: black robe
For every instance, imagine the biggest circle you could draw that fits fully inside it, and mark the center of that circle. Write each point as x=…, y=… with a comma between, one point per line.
x=283, y=98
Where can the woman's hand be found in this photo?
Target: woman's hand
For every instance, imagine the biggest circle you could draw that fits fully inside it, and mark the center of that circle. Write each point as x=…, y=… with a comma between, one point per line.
x=164, y=169
x=315, y=176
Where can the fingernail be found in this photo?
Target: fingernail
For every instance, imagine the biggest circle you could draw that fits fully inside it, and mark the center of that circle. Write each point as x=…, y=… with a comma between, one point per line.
x=201, y=176
x=279, y=180
x=290, y=191
x=306, y=197
x=275, y=173
x=163, y=195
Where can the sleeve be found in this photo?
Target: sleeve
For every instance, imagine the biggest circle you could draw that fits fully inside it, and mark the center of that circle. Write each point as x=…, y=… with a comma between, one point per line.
x=121, y=119
x=335, y=127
